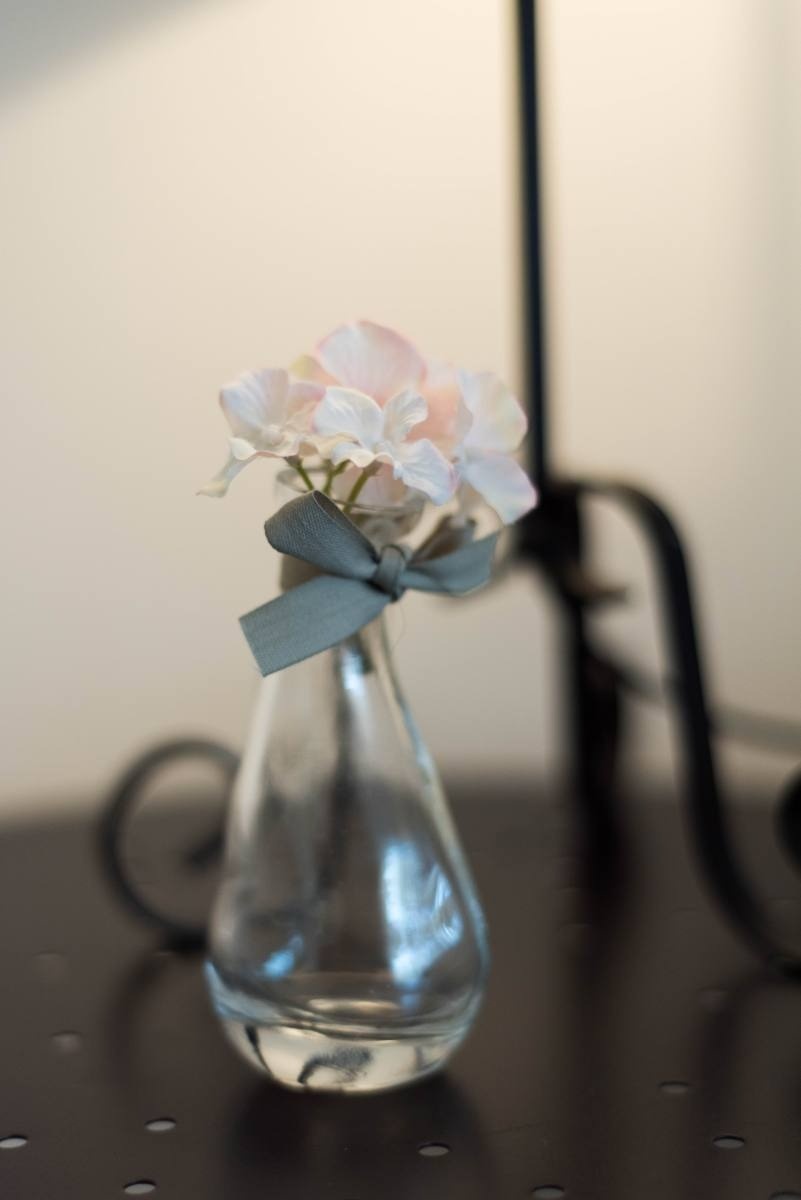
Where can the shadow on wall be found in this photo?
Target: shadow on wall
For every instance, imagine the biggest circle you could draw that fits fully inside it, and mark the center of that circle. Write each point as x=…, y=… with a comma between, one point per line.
x=41, y=36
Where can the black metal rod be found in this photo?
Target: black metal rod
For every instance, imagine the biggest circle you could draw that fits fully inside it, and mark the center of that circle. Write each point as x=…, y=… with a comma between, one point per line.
x=531, y=280
x=715, y=851
x=122, y=801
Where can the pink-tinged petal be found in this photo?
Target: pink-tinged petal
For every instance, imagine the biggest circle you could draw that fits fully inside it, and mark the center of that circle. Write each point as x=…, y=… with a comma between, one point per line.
x=302, y=401
x=402, y=413
x=220, y=483
x=499, y=423
x=448, y=418
x=343, y=411
x=257, y=398
x=422, y=466
x=308, y=370
x=463, y=423
x=502, y=483
x=371, y=359
x=440, y=375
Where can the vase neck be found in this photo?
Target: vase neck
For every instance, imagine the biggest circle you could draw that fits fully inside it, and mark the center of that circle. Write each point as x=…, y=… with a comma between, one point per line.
x=363, y=653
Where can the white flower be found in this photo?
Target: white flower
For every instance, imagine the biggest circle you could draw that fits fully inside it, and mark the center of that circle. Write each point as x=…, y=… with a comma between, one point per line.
x=496, y=429
x=367, y=357
x=269, y=414
x=354, y=428
x=366, y=398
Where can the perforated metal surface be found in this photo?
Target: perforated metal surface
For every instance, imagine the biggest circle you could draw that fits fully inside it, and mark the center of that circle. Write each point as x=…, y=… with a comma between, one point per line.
x=628, y=1047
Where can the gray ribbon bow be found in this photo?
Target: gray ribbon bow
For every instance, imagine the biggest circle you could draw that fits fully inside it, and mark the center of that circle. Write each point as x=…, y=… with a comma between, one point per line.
x=357, y=580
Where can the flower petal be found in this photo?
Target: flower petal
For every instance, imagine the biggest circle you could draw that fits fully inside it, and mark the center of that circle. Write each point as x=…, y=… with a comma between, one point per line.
x=220, y=483
x=308, y=370
x=503, y=484
x=371, y=359
x=350, y=413
x=344, y=451
x=302, y=400
x=318, y=443
x=336, y=450
x=241, y=449
x=499, y=423
x=257, y=398
x=404, y=411
x=422, y=466
x=448, y=419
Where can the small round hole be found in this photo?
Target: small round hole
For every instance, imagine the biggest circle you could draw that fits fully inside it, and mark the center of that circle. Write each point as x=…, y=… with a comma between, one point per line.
x=50, y=967
x=551, y=1191
x=674, y=1087
x=67, y=1042
x=161, y=1125
x=728, y=1142
x=433, y=1149
x=140, y=1187
x=13, y=1142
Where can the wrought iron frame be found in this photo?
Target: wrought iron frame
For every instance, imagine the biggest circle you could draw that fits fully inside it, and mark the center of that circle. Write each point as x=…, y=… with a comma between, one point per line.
x=554, y=539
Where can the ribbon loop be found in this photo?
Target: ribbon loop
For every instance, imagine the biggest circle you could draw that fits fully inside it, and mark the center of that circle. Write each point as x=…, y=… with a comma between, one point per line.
x=355, y=581
x=389, y=572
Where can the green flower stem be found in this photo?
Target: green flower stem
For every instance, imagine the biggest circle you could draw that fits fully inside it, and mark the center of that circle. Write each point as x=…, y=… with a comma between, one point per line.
x=355, y=491
x=304, y=474
x=331, y=476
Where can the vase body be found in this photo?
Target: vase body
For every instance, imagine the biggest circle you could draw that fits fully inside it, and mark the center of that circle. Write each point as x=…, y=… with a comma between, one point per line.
x=347, y=948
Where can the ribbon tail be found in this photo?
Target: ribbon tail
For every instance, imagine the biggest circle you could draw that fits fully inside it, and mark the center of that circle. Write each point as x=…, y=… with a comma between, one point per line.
x=455, y=573
x=309, y=618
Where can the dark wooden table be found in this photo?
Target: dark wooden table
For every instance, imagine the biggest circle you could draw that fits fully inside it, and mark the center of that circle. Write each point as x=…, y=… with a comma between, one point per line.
x=629, y=1048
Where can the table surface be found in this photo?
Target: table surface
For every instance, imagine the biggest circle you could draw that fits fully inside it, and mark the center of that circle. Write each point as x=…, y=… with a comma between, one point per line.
x=625, y=1032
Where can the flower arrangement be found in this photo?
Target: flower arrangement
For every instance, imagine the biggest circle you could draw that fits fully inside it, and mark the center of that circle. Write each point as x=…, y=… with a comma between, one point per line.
x=370, y=960
x=375, y=421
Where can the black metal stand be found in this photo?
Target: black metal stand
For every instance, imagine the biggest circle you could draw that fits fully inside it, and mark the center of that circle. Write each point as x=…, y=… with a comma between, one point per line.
x=553, y=539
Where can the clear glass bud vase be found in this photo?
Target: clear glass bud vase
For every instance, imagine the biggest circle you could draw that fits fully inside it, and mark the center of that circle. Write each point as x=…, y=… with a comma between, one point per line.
x=348, y=948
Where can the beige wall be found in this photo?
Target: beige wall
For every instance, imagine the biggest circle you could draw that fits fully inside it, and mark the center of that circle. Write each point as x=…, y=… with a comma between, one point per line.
x=675, y=187
x=192, y=188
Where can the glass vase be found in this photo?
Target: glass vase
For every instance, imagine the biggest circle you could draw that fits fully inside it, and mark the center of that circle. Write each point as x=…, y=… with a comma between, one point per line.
x=348, y=948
